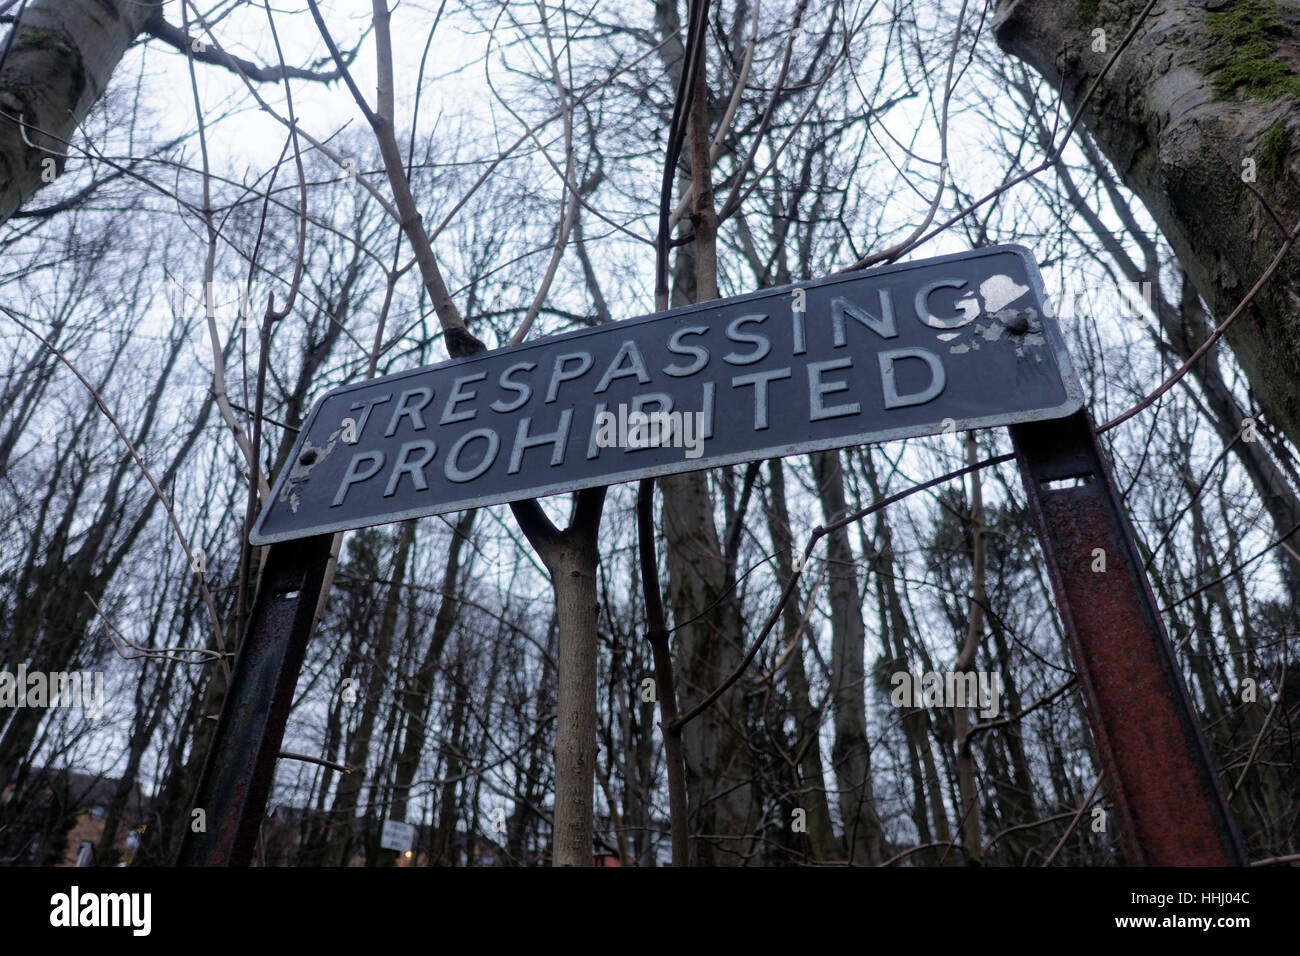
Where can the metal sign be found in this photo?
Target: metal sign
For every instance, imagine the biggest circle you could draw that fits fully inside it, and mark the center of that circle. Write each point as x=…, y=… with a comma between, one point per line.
x=952, y=343
x=397, y=835
x=944, y=344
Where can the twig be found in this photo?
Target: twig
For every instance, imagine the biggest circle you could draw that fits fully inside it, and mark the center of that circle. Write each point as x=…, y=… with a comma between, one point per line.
x=1075, y=822
x=152, y=653
x=1254, y=748
x=888, y=255
x=1212, y=338
x=568, y=206
x=341, y=768
x=657, y=636
x=1052, y=158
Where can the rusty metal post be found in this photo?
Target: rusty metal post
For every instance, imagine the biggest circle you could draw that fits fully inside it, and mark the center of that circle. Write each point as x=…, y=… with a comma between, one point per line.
x=240, y=766
x=1169, y=808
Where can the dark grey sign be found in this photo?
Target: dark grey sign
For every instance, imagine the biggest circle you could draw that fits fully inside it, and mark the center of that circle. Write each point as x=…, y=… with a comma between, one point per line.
x=944, y=344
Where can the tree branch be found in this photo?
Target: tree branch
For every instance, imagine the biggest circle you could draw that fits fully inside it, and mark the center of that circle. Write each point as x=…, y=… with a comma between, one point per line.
x=207, y=52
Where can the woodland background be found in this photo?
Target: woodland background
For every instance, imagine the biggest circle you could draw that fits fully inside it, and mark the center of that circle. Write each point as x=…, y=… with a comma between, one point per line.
x=164, y=173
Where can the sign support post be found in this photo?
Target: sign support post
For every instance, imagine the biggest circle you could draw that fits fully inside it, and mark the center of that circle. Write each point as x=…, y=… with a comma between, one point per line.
x=1169, y=808
x=240, y=766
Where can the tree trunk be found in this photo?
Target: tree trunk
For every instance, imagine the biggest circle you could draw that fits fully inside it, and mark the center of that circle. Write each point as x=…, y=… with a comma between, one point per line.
x=444, y=852
x=371, y=698
x=720, y=770
x=56, y=67
x=972, y=838
x=1186, y=327
x=576, y=606
x=415, y=698
x=812, y=777
x=570, y=557
x=1196, y=94
x=915, y=720
x=851, y=752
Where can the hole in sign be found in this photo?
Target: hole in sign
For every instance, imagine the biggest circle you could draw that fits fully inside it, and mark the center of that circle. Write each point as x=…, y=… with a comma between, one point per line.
x=1063, y=484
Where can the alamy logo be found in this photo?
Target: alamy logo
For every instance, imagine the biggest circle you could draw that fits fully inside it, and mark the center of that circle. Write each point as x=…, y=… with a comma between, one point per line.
x=26, y=688
x=953, y=689
x=637, y=429
x=215, y=299
x=76, y=908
